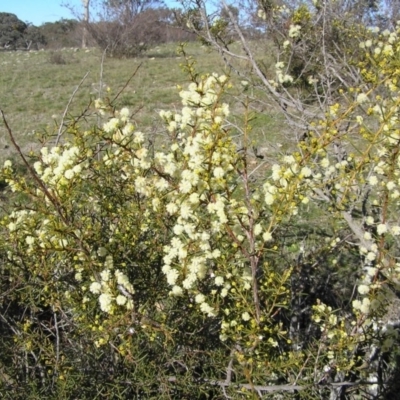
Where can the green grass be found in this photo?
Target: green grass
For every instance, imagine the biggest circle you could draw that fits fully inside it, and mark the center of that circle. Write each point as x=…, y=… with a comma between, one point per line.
x=34, y=90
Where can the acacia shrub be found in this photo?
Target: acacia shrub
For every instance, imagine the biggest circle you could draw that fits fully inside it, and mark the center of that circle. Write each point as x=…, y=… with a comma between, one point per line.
x=189, y=278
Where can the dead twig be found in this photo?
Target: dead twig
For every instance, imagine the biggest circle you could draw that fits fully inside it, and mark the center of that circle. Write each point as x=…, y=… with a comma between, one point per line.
x=59, y=134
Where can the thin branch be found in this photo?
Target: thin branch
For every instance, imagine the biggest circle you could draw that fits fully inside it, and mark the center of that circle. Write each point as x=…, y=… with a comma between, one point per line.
x=67, y=108
x=57, y=337
x=278, y=388
x=46, y=192
x=126, y=84
x=281, y=100
x=103, y=56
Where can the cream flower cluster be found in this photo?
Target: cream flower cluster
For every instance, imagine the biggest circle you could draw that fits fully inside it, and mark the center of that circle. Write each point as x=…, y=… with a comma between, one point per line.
x=290, y=174
x=113, y=288
x=294, y=31
x=381, y=44
x=282, y=77
x=122, y=130
x=59, y=165
x=202, y=164
x=261, y=14
x=197, y=101
x=21, y=223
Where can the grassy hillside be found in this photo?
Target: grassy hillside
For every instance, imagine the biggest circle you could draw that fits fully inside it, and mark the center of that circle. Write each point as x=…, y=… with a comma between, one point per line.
x=36, y=86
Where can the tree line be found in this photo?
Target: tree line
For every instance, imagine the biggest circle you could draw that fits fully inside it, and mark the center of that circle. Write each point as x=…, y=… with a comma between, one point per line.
x=123, y=34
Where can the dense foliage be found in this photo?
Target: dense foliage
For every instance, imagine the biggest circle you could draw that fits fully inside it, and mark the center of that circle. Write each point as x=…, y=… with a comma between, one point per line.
x=15, y=33
x=62, y=33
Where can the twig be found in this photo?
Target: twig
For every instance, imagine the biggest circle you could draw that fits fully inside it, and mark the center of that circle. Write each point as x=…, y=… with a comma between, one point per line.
x=46, y=192
x=100, y=94
x=277, y=388
x=126, y=84
x=57, y=337
x=282, y=101
x=101, y=71
x=67, y=107
x=57, y=342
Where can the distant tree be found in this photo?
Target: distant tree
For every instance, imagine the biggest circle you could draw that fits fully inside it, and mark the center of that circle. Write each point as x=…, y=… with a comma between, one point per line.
x=127, y=10
x=63, y=33
x=12, y=31
x=86, y=17
x=225, y=12
x=34, y=38
x=124, y=27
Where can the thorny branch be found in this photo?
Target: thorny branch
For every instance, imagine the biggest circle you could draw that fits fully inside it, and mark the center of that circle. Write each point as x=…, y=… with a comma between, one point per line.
x=42, y=186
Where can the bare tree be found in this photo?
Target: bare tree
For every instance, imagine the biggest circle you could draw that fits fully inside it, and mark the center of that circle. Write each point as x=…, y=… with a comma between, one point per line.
x=86, y=5
x=126, y=11
x=123, y=27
